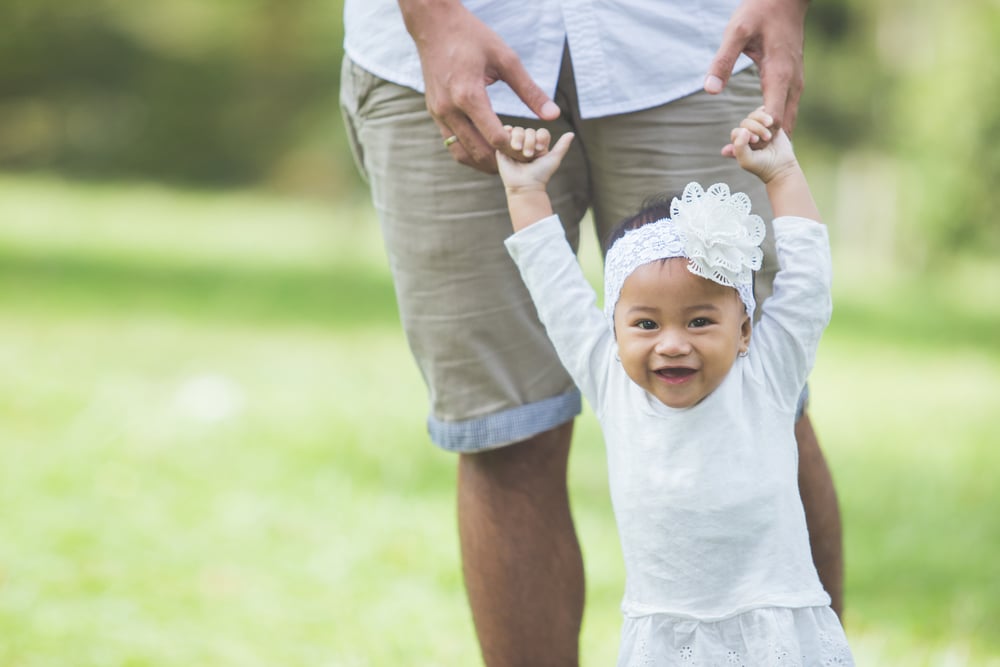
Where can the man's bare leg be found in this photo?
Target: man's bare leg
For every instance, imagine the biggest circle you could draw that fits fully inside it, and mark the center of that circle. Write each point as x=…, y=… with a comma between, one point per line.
x=520, y=556
x=822, y=513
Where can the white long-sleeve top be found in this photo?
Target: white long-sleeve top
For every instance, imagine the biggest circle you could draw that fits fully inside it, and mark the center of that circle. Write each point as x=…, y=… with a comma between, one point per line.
x=627, y=54
x=706, y=498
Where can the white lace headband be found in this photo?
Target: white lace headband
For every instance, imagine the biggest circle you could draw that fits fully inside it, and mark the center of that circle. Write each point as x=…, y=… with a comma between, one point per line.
x=714, y=230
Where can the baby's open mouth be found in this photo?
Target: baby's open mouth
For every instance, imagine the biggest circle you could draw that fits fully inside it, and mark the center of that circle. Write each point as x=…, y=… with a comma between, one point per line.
x=678, y=373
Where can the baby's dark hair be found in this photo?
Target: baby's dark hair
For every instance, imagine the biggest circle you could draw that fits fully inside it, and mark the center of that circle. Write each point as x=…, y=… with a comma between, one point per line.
x=654, y=208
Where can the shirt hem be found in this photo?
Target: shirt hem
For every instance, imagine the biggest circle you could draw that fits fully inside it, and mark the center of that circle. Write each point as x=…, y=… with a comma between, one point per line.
x=639, y=611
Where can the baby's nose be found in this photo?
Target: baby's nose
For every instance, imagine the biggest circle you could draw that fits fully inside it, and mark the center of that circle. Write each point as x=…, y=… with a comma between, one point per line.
x=672, y=343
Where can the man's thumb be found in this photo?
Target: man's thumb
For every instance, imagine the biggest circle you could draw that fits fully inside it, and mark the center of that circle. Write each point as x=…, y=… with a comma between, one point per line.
x=722, y=66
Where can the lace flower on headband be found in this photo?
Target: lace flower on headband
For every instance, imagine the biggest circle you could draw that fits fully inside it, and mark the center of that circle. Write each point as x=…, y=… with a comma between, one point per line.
x=721, y=237
x=712, y=228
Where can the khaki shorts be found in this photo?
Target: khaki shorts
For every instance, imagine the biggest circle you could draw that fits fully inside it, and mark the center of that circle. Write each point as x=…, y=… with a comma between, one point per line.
x=491, y=372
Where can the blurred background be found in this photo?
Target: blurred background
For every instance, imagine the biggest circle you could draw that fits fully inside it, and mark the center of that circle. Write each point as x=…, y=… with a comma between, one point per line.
x=211, y=433
x=900, y=96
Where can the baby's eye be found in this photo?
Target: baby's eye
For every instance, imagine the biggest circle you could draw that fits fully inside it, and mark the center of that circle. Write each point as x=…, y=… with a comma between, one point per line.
x=700, y=322
x=648, y=325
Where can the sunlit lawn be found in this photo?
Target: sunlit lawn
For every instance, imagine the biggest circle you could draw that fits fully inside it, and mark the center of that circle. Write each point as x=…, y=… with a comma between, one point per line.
x=212, y=448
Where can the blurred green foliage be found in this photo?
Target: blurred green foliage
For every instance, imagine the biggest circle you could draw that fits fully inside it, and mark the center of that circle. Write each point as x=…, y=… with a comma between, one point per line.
x=917, y=83
x=219, y=92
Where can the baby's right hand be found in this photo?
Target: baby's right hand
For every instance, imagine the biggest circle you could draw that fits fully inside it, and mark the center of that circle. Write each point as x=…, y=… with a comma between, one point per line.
x=543, y=162
x=759, y=148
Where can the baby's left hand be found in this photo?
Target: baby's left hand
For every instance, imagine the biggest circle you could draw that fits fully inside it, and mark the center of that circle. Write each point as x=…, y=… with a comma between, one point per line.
x=759, y=148
x=543, y=162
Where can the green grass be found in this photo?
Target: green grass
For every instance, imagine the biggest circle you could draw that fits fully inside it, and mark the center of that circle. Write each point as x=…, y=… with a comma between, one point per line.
x=212, y=448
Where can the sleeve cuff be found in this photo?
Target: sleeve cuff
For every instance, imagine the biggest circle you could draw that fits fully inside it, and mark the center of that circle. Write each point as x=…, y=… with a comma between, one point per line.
x=540, y=232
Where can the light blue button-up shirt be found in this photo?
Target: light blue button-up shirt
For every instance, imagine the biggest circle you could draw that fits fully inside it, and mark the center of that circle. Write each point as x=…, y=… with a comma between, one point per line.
x=627, y=54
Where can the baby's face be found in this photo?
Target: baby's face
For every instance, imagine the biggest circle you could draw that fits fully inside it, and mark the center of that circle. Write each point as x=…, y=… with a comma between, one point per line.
x=678, y=333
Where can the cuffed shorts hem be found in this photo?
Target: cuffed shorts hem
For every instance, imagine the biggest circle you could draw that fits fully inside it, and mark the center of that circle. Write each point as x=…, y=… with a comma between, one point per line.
x=505, y=428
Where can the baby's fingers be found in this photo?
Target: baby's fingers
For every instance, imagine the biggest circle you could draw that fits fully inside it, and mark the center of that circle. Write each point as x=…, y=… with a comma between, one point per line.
x=741, y=138
x=741, y=146
x=516, y=138
x=562, y=146
x=542, y=140
x=757, y=130
x=528, y=150
x=528, y=141
x=761, y=116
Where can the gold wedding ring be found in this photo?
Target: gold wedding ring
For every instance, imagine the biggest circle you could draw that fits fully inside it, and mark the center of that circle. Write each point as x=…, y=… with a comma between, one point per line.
x=450, y=140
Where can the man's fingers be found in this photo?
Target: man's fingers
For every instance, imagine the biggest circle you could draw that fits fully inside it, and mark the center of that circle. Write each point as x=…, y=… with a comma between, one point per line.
x=775, y=101
x=791, y=109
x=470, y=148
x=487, y=166
x=536, y=99
x=480, y=132
x=788, y=122
x=781, y=89
x=467, y=113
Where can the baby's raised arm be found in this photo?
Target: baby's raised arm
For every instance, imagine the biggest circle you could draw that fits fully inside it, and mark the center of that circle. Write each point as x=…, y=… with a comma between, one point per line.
x=525, y=182
x=767, y=153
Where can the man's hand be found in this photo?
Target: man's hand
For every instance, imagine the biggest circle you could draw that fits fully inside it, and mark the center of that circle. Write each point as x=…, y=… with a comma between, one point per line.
x=460, y=56
x=770, y=32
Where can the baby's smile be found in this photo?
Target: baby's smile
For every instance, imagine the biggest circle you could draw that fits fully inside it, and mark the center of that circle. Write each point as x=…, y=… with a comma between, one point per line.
x=676, y=374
